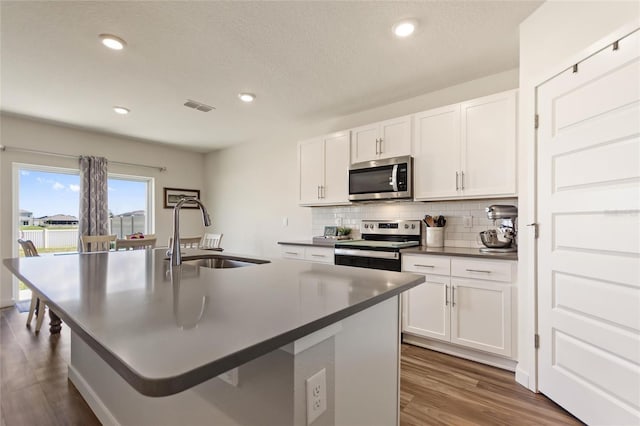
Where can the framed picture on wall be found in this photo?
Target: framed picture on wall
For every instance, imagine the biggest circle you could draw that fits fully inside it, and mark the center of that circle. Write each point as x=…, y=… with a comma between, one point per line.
x=173, y=195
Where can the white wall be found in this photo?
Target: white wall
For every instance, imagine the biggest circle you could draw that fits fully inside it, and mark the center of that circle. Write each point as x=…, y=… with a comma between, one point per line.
x=555, y=36
x=252, y=187
x=184, y=170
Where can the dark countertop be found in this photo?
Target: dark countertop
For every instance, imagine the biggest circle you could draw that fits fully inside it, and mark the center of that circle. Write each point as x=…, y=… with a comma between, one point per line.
x=165, y=331
x=310, y=243
x=460, y=251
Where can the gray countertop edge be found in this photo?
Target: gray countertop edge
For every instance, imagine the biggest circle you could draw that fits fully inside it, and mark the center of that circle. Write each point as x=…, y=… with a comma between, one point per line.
x=307, y=243
x=175, y=384
x=460, y=252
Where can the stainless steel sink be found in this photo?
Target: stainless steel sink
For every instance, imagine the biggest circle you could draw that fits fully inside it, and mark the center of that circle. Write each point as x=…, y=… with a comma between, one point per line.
x=217, y=261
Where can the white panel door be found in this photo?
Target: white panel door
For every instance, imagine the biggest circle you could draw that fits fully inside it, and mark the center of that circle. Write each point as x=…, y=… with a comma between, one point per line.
x=426, y=309
x=311, y=170
x=364, y=143
x=436, y=153
x=481, y=315
x=336, y=177
x=489, y=145
x=589, y=245
x=395, y=137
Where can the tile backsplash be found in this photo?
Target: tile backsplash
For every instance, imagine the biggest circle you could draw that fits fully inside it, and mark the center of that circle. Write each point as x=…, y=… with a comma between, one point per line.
x=455, y=234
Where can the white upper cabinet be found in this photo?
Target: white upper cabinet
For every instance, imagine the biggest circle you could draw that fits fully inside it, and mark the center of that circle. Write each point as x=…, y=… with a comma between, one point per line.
x=466, y=150
x=323, y=165
x=436, y=152
x=385, y=139
x=489, y=145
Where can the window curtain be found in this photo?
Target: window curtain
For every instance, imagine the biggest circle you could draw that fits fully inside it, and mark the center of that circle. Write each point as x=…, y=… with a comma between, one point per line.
x=94, y=210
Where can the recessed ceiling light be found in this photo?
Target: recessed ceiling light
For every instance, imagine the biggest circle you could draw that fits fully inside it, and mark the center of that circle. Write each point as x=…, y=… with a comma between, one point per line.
x=121, y=110
x=405, y=28
x=247, y=97
x=113, y=42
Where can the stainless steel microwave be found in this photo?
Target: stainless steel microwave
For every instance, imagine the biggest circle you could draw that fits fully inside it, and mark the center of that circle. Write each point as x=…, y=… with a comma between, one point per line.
x=391, y=178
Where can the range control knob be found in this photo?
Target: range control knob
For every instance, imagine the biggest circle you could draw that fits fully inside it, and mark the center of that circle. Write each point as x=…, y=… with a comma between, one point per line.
x=406, y=226
x=413, y=226
x=366, y=225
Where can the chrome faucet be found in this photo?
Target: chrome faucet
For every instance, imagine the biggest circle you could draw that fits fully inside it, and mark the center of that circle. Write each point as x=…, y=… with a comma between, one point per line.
x=174, y=250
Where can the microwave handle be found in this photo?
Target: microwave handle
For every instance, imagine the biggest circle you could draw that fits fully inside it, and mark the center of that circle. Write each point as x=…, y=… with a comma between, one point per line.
x=394, y=178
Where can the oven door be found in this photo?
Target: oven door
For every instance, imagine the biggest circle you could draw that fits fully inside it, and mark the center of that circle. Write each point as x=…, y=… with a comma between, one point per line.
x=385, y=260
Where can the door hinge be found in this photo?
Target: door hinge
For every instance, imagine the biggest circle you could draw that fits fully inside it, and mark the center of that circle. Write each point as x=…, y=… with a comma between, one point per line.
x=536, y=121
x=535, y=229
x=616, y=46
x=536, y=340
x=575, y=68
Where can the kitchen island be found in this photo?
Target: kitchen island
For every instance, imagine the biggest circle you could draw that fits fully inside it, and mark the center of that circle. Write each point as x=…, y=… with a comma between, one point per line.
x=152, y=344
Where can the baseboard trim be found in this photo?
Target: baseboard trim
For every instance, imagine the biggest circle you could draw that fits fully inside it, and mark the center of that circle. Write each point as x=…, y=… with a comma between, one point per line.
x=5, y=303
x=470, y=354
x=522, y=377
x=97, y=406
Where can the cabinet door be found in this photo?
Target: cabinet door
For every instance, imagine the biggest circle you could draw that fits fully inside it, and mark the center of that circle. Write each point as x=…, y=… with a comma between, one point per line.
x=364, y=143
x=311, y=170
x=426, y=309
x=481, y=315
x=395, y=137
x=489, y=145
x=336, y=177
x=437, y=153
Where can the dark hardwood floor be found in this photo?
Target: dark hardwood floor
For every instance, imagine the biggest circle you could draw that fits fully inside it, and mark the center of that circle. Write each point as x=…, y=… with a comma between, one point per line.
x=435, y=388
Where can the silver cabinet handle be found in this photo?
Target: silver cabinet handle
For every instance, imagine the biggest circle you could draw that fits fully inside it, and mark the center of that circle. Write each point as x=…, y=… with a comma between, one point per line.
x=381, y=139
x=318, y=255
x=453, y=295
x=478, y=270
x=292, y=252
x=319, y=195
x=322, y=191
x=461, y=180
x=423, y=266
x=446, y=295
x=377, y=149
x=457, y=187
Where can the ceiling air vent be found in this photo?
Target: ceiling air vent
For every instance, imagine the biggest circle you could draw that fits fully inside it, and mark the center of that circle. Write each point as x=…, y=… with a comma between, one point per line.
x=198, y=105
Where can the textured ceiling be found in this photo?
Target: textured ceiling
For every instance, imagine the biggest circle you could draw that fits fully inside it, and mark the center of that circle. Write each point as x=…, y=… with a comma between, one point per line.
x=305, y=61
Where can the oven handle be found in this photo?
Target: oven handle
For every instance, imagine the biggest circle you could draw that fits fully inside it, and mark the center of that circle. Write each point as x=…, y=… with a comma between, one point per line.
x=394, y=178
x=367, y=253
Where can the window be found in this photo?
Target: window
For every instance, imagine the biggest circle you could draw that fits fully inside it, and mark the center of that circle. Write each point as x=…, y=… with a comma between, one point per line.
x=48, y=202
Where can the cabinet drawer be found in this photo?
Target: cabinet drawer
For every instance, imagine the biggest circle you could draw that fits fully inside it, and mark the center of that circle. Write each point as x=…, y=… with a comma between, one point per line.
x=482, y=269
x=439, y=265
x=292, y=252
x=319, y=254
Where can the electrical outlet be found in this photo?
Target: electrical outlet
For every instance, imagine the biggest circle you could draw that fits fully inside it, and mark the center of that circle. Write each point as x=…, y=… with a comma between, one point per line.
x=316, y=395
x=467, y=222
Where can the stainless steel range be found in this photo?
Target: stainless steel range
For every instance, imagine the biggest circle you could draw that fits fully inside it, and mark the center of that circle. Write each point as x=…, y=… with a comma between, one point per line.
x=380, y=245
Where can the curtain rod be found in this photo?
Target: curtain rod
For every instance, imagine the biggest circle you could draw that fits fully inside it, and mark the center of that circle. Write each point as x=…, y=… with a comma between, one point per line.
x=55, y=154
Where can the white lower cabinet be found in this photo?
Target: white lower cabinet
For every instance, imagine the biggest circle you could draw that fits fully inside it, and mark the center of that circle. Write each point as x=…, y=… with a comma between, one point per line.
x=470, y=312
x=310, y=253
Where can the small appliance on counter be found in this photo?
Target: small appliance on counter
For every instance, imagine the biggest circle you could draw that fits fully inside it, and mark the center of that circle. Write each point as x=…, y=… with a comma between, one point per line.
x=333, y=234
x=503, y=239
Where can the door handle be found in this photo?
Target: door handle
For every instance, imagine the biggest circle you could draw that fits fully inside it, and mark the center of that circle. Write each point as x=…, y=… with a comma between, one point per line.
x=453, y=295
x=318, y=192
x=462, y=180
x=381, y=139
x=457, y=187
x=377, y=149
x=446, y=295
x=479, y=270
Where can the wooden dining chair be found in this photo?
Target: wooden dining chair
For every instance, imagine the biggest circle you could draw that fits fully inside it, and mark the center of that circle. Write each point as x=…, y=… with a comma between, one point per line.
x=97, y=242
x=36, y=303
x=210, y=241
x=187, y=242
x=136, y=244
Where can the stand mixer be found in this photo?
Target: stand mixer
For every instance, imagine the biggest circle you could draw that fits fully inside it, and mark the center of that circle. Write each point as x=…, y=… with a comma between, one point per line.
x=504, y=238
